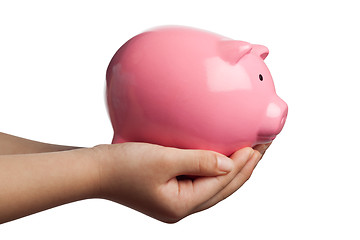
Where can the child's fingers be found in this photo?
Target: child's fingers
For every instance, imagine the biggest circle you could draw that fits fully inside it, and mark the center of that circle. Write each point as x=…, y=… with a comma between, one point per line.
x=202, y=189
x=242, y=176
x=203, y=163
x=262, y=148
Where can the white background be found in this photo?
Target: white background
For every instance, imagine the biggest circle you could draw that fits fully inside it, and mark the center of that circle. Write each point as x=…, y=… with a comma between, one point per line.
x=53, y=58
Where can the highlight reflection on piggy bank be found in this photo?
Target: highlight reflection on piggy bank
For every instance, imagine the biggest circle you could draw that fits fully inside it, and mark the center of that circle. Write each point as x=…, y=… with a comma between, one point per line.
x=188, y=88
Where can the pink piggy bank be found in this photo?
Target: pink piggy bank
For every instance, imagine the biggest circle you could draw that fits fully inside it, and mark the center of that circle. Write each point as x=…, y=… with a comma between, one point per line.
x=188, y=88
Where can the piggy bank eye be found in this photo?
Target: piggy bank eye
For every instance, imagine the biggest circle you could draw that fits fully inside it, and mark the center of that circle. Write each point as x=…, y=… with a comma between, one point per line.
x=261, y=77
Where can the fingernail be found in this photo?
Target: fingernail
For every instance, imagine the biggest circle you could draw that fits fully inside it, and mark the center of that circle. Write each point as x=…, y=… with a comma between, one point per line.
x=224, y=164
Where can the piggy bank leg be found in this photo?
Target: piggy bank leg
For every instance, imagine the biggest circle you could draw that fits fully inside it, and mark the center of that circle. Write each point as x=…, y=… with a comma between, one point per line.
x=117, y=139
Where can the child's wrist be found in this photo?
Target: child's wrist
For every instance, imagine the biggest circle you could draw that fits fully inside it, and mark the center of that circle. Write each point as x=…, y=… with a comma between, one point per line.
x=99, y=156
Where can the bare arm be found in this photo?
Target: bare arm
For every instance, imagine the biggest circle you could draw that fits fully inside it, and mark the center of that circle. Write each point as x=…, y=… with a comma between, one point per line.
x=128, y=174
x=30, y=183
x=15, y=145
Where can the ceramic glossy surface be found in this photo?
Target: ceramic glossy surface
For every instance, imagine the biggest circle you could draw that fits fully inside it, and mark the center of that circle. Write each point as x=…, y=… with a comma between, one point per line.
x=188, y=88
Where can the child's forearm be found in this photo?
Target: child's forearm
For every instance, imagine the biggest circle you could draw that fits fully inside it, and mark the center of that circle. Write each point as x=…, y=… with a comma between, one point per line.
x=15, y=145
x=31, y=183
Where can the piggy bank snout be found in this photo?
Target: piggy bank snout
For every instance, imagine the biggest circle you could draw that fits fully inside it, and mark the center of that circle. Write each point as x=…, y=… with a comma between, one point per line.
x=274, y=119
x=283, y=119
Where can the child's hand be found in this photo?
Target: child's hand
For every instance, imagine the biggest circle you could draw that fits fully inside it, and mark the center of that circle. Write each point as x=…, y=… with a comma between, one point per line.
x=165, y=183
x=168, y=183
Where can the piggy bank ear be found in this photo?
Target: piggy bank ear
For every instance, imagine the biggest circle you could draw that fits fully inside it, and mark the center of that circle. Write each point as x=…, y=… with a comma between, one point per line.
x=232, y=51
x=260, y=50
